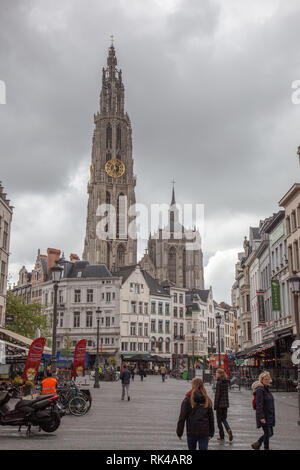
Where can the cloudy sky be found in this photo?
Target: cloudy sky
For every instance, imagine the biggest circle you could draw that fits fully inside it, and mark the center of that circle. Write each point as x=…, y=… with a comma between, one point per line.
x=208, y=90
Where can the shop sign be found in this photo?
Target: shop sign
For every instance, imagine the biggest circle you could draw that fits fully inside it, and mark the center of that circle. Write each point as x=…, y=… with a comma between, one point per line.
x=275, y=295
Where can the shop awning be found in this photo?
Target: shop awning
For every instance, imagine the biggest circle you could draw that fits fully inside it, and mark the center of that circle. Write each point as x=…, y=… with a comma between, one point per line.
x=20, y=338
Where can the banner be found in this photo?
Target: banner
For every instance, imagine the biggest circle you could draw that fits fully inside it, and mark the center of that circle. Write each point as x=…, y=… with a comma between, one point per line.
x=275, y=295
x=33, y=359
x=261, y=307
x=79, y=358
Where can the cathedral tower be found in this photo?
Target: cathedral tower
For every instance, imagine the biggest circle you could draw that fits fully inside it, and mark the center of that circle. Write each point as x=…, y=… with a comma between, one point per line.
x=111, y=176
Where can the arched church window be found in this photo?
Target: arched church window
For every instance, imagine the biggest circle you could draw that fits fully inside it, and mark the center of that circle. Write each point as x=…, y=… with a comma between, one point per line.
x=108, y=136
x=118, y=136
x=121, y=256
x=121, y=216
x=108, y=157
x=108, y=255
x=172, y=265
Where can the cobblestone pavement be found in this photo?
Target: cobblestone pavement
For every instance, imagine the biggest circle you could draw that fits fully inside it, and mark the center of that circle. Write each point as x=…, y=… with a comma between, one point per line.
x=148, y=421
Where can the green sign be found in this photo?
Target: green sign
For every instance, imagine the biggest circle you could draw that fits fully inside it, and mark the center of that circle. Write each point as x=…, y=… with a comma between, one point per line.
x=275, y=295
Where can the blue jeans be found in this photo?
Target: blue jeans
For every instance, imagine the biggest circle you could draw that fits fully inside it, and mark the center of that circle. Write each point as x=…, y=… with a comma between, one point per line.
x=202, y=443
x=222, y=419
x=265, y=438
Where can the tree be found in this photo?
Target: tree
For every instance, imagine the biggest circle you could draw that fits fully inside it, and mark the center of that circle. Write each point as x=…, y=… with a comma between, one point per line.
x=67, y=348
x=27, y=317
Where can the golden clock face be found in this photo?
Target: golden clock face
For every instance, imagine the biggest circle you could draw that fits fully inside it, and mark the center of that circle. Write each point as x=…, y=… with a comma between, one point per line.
x=115, y=168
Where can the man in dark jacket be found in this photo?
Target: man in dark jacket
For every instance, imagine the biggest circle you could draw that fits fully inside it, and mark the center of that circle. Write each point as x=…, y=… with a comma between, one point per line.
x=221, y=404
x=265, y=411
x=125, y=380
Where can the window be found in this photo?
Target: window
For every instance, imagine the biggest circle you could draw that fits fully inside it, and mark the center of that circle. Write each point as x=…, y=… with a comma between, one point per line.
x=140, y=346
x=90, y=296
x=132, y=329
x=145, y=346
x=160, y=326
x=160, y=308
x=76, y=323
x=61, y=296
x=288, y=225
x=167, y=345
x=181, y=312
x=108, y=296
x=180, y=298
x=2, y=280
x=167, y=326
x=175, y=348
x=181, y=329
x=167, y=309
x=77, y=295
x=124, y=346
x=61, y=320
x=132, y=346
x=5, y=236
x=106, y=340
x=133, y=307
x=153, y=307
x=181, y=348
x=146, y=308
x=89, y=319
x=118, y=146
x=175, y=329
x=175, y=312
x=140, y=329
x=146, y=329
x=140, y=307
x=153, y=326
x=108, y=136
x=175, y=298
x=107, y=321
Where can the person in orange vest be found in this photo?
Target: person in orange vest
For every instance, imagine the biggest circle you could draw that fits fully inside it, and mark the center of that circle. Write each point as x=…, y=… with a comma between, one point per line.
x=49, y=385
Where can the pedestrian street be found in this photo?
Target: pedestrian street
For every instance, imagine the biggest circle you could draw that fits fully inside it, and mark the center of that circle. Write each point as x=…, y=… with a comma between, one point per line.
x=148, y=421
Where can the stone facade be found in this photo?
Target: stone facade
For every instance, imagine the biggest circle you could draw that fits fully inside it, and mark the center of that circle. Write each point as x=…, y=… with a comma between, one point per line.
x=169, y=257
x=6, y=212
x=112, y=180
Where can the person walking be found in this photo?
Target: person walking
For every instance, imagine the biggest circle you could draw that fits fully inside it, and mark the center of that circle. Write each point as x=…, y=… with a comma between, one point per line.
x=196, y=411
x=132, y=373
x=125, y=380
x=141, y=372
x=163, y=372
x=265, y=410
x=221, y=404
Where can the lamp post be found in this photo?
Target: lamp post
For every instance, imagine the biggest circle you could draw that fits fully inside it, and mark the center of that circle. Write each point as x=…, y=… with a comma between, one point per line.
x=56, y=273
x=97, y=381
x=193, y=340
x=218, y=322
x=294, y=281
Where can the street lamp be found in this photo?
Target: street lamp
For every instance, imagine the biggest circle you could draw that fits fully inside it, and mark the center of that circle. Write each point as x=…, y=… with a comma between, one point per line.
x=218, y=322
x=97, y=384
x=56, y=273
x=193, y=339
x=294, y=281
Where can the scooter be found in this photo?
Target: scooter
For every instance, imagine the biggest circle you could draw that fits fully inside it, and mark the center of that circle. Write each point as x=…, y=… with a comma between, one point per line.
x=41, y=411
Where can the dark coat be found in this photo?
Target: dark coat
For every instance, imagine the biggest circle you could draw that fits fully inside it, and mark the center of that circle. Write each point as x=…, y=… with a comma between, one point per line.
x=125, y=376
x=265, y=408
x=221, y=396
x=199, y=420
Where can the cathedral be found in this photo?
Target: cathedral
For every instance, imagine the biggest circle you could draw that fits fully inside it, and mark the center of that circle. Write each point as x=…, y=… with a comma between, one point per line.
x=112, y=183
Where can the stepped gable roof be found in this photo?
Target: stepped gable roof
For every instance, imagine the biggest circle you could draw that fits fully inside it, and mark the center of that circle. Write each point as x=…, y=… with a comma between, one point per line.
x=154, y=286
x=225, y=306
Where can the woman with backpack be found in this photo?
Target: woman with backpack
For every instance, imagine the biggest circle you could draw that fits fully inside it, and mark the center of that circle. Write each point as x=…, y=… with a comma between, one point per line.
x=221, y=404
x=263, y=403
x=196, y=411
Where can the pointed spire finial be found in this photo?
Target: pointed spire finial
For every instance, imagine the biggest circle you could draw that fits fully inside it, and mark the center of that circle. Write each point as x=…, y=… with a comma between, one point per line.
x=173, y=193
x=112, y=39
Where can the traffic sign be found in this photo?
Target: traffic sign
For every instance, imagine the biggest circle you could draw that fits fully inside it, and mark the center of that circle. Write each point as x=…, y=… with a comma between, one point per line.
x=9, y=319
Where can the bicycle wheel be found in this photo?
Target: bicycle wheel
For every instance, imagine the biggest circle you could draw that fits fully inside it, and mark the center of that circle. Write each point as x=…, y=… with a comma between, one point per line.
x=78, y=406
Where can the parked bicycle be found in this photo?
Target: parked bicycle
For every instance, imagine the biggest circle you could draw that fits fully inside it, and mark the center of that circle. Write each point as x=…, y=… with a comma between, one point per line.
x=74, y=400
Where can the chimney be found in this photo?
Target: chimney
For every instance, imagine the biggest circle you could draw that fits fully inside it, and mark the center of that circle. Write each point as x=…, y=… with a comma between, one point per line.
x=53, y=256
x=74, y=257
